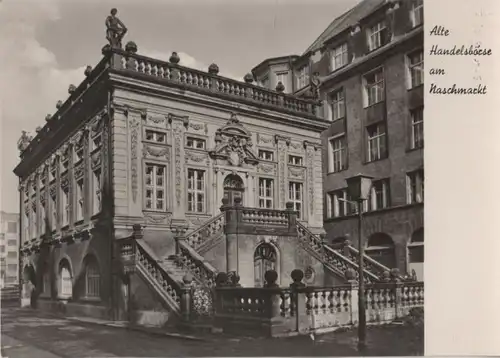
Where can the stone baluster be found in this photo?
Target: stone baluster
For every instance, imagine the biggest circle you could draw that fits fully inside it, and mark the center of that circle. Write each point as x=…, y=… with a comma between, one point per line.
x=398, y=295
x=353, y=304
x=186, y=290
x=180, y=236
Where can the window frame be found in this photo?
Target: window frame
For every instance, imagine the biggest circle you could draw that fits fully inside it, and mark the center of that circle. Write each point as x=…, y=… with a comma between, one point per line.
x=378, y=85
x=417, y=126
x=194, y=208
x=298, y=204
x=337, y=100
x=342, y=152
x=155, y=133
x=342, y=51
x=195, y=140
x=417, y=5
x=154, y=187
x=292, y=160
x=376, y=34
x=266, y=151
x=262, y=192
x=415, y=187
x=93, y=288
x=379, y=138
x=410, y=68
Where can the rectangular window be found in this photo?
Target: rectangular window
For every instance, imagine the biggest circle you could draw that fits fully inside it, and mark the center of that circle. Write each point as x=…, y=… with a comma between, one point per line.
x=52, y=174
x=337, y=105
x=11, y=242
x=281, y=77
x=2, y=249
x=266, y=155
x=302, y=77
x=34, y=223
x=374, y=87
x=12, y=255
x=154, y=136
x=12, y=227
x=65, y=206
x=416, y=68
x=12, y=267
x=380, y=195
x=417, y=13
x=155, y=186
x=195, y=143
x=196, y=190
x=337, y=204
x=79, y=200
x=415, y=187
x=266, y=193
x=377, y=36
x=264, y=82
x=96, y=141
x=78, y=153
x=338, y=154
x=417, y=128
x=295, y=197
x=96, y=192
x=64, y=163
x=53, y=206
x=376, y=142
x=295, y=160
x=339, y=57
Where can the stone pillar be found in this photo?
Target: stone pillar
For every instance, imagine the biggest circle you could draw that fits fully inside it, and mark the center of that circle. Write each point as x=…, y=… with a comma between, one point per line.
x=299, y=300
x=354, y=302
x=186, y=297
x=180, y=236
x=231, y=230
x=398, y=292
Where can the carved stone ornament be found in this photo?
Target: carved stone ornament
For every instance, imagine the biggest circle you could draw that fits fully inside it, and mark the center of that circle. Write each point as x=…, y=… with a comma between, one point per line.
x=24, y=141
x=266, y=168
x=149, y=150
x=195, y=158
x=151, y=218
x=134, y=135
x=96, y=159
x=233, y=143
x=296, y=173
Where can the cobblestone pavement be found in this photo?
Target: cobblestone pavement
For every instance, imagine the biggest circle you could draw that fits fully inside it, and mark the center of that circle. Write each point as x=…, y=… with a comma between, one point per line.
x=28, y=333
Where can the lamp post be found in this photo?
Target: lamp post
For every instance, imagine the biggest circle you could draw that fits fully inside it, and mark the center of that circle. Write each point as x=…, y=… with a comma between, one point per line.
x=358, y=188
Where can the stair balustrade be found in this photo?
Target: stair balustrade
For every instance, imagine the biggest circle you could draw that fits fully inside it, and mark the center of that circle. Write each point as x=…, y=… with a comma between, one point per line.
x=207, y=232
x=149, y=264
x=193, y=262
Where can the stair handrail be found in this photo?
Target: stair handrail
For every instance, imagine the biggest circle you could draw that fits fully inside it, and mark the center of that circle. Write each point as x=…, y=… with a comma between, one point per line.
x=171, y=286
x=384, y=270
x=190, y=237
x=325, y=247
x=197, y=265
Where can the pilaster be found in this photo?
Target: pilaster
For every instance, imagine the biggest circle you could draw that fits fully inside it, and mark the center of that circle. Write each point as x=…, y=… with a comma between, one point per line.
x=178, y=125
x=282, y=144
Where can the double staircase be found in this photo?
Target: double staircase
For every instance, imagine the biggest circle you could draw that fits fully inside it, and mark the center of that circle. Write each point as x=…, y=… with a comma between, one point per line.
x=167, y=274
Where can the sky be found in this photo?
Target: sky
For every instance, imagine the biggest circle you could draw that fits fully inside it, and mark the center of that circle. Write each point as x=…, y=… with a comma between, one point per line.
x=46, y=45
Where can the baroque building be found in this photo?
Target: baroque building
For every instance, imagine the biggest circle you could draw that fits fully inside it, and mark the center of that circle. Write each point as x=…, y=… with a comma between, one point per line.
x=152, y=177
x=368, y=66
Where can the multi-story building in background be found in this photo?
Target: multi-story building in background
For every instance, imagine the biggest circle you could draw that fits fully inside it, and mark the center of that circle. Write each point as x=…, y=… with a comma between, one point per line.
x=9, y=249
x=369, y=64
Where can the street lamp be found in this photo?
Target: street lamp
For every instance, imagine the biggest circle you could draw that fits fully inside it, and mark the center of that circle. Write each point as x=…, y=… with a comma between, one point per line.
x=358, y=188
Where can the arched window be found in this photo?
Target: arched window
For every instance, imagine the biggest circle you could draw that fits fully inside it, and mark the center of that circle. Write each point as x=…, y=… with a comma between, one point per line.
x=380, y=247
x=264, y=259
x=92, y=279
x=65, y=280
x=233, y=188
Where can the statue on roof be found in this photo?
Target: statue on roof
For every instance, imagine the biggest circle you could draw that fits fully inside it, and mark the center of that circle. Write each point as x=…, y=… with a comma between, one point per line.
x=115, y=29
x=315, y=83
x=24, y=141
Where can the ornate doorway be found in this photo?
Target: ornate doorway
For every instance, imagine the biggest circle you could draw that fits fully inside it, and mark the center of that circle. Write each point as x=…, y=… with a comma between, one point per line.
x=233, y=188
x=264, y=259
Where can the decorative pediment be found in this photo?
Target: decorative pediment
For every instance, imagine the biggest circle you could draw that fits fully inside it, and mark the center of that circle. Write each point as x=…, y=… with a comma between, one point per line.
x=233, y=143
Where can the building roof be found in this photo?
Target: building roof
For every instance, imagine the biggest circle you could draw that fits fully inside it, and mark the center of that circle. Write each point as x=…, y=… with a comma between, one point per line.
x=272, y=60
x=345, y=21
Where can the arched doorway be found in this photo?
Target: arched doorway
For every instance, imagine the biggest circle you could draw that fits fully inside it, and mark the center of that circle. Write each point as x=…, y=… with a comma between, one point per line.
x=380, y=247
x=264, y=259
x=233, y=188
x=416, y=254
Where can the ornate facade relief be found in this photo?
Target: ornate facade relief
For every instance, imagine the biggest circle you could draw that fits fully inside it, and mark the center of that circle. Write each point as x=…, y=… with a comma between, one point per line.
x=310, y=153
x=233, y=143
x=151, y=151
x=178, y=123
x=283, y=143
